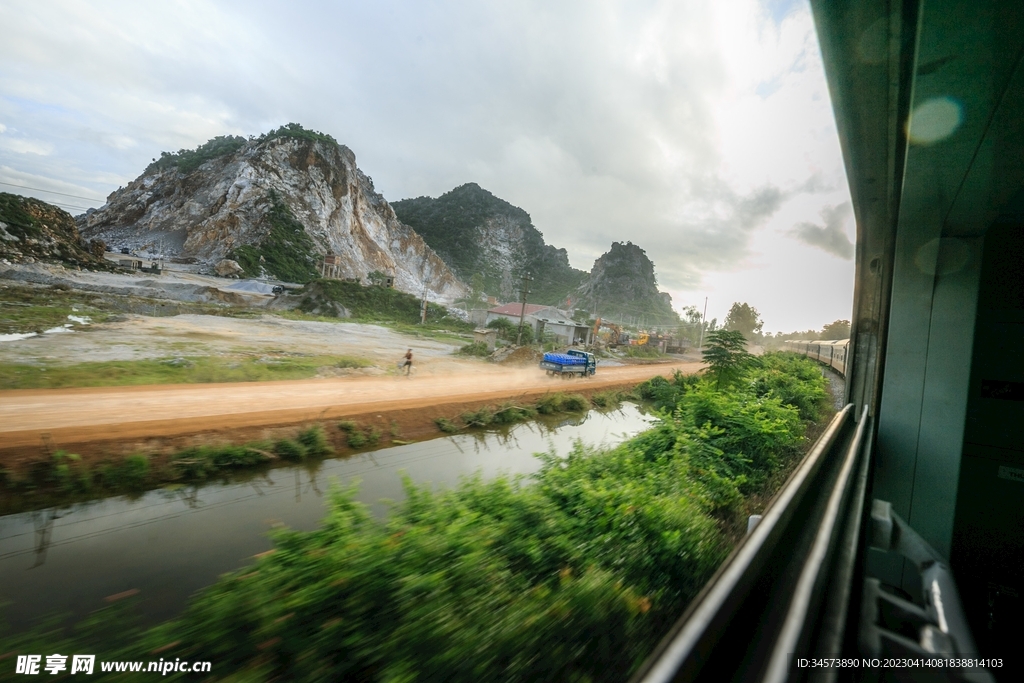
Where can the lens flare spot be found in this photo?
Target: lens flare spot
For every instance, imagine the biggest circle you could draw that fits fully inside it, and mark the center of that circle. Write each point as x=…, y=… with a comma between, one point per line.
x=934, y=120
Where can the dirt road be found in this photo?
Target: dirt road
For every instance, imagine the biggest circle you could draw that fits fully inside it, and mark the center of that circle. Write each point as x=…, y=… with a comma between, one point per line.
x=29, y=418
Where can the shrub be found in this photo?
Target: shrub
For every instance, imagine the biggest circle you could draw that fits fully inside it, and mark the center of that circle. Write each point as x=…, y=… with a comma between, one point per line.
x=131, y=473
x=446, y=425
x=575, y=403
x=509, y=413
x=315, y=440
x=606, y=399
x=549, y=404
x=477, y=418
x=474, y=349
x=287, y=449
x=347, y=426
x=355, y=438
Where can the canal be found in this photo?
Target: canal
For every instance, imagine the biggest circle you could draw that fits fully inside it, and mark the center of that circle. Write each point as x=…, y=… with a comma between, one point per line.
x=170, y=542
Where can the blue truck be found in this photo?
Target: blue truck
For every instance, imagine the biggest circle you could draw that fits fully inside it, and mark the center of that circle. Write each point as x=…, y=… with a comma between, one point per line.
x=572, y=363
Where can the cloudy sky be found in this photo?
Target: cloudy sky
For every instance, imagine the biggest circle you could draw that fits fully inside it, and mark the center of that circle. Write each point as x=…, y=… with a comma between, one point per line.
x=699, y=129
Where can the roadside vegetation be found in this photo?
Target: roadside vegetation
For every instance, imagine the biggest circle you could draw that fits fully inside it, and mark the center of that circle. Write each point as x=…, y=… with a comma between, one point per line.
x=572, y=574
x=644, y=352
x=376, y=304
x=176, y=370
x=66, y=478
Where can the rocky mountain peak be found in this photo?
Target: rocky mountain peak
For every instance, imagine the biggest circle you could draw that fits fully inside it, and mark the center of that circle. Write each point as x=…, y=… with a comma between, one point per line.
x=622, y=284
x=276, y=204
x=487, y=238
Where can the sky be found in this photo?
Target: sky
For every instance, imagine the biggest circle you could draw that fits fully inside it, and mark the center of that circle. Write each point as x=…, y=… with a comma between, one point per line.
x=699, y=130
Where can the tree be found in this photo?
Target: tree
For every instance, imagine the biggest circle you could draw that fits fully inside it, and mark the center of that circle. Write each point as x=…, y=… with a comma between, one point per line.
x=509, y=330
x=840, y=329
x=376, y=277
x=726, y=354
x=743, y=318
x=477, y=287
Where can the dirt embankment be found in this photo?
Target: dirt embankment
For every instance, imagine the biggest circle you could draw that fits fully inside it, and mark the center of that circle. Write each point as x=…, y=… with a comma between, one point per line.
x=102, y=422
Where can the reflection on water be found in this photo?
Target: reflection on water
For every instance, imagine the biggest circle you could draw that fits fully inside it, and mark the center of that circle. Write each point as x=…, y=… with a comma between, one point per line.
x=170, y=542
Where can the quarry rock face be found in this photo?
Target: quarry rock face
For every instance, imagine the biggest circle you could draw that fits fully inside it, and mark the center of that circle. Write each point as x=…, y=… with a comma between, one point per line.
x=221, y=200
x=482, y=235
x=31, y=230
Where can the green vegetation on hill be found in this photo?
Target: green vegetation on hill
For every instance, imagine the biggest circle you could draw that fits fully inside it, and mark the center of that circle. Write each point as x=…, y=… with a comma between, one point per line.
x=376, y=304
x=572, y=575
x=622, y=285
x=32, y=228
x=452, y=224
x=188, y=160
x=288, y=251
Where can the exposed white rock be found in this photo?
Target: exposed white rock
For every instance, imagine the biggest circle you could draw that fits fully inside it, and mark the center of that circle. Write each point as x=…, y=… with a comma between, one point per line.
x=222, y=205
x=228, y=268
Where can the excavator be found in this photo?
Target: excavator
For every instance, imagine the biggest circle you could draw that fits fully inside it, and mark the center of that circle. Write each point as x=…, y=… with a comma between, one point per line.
x=616, y=338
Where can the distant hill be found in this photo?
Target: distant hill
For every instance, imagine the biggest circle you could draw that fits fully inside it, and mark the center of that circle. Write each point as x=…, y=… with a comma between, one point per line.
x=478, y=234
x=276, y=204
x=622, y=285
x=32, y=230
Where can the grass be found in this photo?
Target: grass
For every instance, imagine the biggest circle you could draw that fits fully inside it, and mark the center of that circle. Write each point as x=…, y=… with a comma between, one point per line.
x=511, y=413
x=179, y=370
x=32, y=309
x=643, y=352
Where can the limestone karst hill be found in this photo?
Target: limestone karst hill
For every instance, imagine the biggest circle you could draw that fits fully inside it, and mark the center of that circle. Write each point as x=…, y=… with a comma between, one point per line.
x=622, y=284
x=33, y=230
x=481, y=235
x=276, y=204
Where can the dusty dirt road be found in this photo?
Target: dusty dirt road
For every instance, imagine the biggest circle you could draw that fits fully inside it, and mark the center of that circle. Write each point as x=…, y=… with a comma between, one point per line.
x=34, y=419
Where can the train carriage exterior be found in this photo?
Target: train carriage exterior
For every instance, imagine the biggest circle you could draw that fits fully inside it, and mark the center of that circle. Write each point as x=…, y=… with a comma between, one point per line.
x=828, y=352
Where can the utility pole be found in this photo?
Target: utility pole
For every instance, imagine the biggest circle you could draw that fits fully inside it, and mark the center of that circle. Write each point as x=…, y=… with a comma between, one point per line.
x=703, y=318
x=522, y=313
x=423, y=308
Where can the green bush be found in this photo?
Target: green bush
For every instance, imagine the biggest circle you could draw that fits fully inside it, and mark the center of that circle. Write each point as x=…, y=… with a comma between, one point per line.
x=663, y=393
x=315, y=441
x=480, y=417
x=474, y=349
x=287, y=250
x=376, y=303
x=199, y=462
x=287, y=449
x=348, y=426
x=130, y=474
x=549, y=404
x=509, y=413
x=795, y=380
x=574, y=403
x=355, y=438
x=446, y=425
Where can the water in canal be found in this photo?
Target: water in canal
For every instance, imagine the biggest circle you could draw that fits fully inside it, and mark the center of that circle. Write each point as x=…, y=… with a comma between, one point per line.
x=170, y=542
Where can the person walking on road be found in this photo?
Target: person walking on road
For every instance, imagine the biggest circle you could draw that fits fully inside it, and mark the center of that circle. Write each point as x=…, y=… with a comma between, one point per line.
x=408, y=362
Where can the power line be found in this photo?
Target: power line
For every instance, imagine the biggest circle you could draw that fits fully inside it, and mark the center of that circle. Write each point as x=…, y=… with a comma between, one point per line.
x=39, y=189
